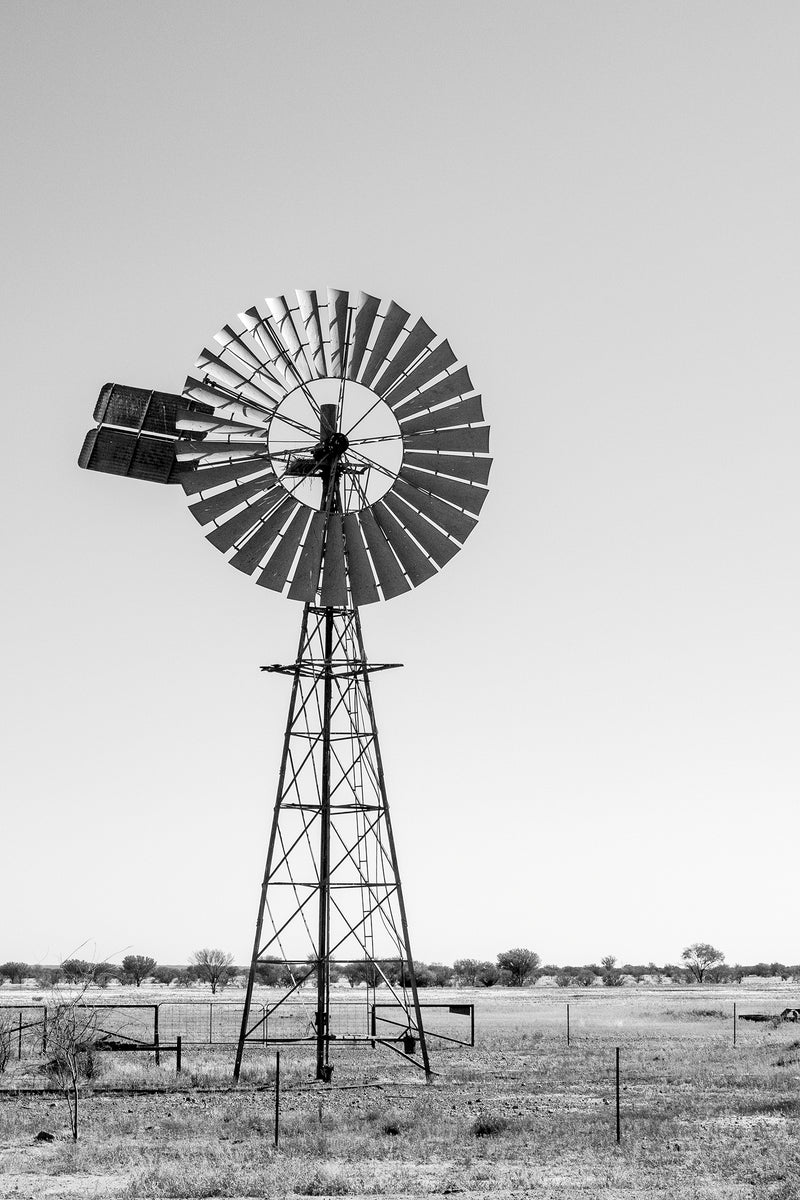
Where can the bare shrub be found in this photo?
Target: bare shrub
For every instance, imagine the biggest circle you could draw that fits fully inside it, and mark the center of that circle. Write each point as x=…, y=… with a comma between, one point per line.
x=489, y=1125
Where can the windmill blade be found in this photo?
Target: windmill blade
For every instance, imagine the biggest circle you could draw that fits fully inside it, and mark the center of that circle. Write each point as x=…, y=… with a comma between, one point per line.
x=412, y=346
x=312, y=326
x=362, y=580
x=216, y=506
x=446, y=389
x=249, y=556
x=213, y=425
x=236, y=346
x=238, y=526
x=186, y=451
x=230, y=377
x=337, y=326
x=225, y=404
x=365, y=318
x=435, y=544
x=121, y=452
x=279, y=564
x=417, y=566
x=334, y=575
x=456, y=524
x=390, y=330
x=465, y=412
x=475, y=470
x=282, y=317
x=203, y=479
x=475, y=440
x=465, y=495
x=305, y=582
x=270, y=342
x=437, y=361
x=390, y=576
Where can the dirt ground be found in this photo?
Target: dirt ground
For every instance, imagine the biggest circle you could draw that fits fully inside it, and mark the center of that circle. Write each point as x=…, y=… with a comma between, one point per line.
x=522, y=1113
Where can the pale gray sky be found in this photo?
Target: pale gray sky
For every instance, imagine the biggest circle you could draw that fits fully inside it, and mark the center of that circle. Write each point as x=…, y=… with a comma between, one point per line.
x=593, y=746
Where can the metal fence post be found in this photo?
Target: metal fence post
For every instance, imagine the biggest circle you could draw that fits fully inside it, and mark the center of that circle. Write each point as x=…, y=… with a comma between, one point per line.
x=44, y=1029
x=277, y=1093
x=210, y=1022
x=19, y=1038
x=472, y=1024
x=155, y=1034
x=617, y=1089
x=372, y=1026
x=178, y=1055
x=567, y=1024
x=734, y=1023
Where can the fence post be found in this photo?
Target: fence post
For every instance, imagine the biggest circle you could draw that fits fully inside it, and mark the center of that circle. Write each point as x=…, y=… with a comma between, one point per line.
x=277, y=1093
x=44, y=1029
x=264, y=1022
x=210, y=1022
x=155, y=1034
x=734, y=1024
x=472, y=1024
x=178, y=1055
x=372, y=1025
x=568, y=1024
x=617, y=1089
x=19, y=1038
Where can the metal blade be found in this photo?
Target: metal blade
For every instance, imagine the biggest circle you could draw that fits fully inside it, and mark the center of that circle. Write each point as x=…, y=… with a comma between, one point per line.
x=186, y=451
x=277, y=568
x=206, y=478
x=417, y=566
x=215, y=506
x=432, y=540
x=362, y=580
x=334, y=586
x=305, y=582
x=121, y=452
x=251, y=553
x=282, y=316
x=309, y=314
x=455, y=522
x=238, y=526
x=463, y=494
x=337, y=324
x=475, y=440
x=227, y=375
x=270, y=343
x=475, y=470
x=235, y=345
x=225, y=405
x=390, y=576
x=187, y=421
x=446, y=389
x=465, y=412
x=391, y=327
x=412, y=346
x=437, y=361
x=365, y=318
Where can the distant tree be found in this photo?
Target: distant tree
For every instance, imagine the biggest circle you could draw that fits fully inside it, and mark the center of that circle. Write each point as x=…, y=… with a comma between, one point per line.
x=185, y=977
x=608, y=963
x=611, y=976
x=271, y=972
x=47, y=976
x=586, y=977
x=212, y=966
x=466, y=971
x=440, y=975
x=520, y=964
x=77, y=970
x=488, y=975
x=103, y=973
x=136, y=967
x=564, y=979
x=14, y=972
x=699, y=957
x=164, y=975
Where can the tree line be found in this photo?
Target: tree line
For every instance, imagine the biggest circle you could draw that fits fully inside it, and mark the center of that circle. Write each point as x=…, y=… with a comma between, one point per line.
x=700, y=962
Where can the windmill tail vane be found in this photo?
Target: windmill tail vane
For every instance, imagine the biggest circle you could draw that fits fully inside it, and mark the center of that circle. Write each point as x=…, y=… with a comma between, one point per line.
x=335, y=451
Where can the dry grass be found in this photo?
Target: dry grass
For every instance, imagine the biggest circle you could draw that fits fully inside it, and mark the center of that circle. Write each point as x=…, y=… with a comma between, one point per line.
x=519, y=1114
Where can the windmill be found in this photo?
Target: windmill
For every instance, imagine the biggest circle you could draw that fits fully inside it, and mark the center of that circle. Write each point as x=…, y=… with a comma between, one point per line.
x=334, y=449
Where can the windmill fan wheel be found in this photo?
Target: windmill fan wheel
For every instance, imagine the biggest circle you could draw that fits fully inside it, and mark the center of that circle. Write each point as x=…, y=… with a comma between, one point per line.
x=345, y=456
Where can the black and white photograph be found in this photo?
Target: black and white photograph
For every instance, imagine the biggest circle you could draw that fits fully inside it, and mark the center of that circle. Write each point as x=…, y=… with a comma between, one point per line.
x=448, y=844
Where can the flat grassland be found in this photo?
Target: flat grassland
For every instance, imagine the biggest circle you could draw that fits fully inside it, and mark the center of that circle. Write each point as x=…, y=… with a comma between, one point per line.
x=521, y=1113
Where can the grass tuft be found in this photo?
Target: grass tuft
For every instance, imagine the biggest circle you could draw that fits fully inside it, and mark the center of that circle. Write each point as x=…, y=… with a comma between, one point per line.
x=489, y=1125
